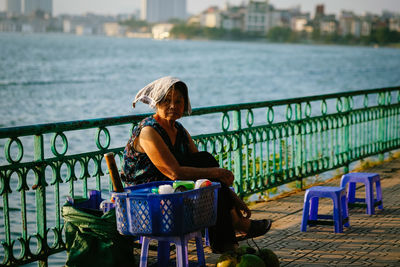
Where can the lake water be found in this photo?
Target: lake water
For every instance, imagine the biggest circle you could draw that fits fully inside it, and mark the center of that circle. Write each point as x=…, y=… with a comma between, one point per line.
x=54, y=77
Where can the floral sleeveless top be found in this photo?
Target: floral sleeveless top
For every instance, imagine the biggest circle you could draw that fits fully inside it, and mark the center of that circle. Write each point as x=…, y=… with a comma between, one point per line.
x=137, y=166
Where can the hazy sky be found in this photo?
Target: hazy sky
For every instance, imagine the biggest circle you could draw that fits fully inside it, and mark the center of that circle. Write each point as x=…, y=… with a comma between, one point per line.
x=196, y=6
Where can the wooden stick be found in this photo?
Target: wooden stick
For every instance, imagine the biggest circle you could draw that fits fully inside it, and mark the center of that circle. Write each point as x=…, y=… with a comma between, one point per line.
x=113, y=170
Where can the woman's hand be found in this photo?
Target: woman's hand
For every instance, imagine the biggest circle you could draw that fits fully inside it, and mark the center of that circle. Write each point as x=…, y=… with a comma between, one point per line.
x=241, y=207
x=225, y=176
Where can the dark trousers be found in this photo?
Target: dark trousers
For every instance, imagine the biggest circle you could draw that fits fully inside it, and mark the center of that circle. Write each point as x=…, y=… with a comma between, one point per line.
x=223, y=232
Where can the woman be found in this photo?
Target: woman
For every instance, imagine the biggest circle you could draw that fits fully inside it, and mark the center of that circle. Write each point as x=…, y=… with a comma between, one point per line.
x=160, y=148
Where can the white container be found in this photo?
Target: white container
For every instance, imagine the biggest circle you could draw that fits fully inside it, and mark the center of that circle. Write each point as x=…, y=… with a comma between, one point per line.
x=199, y=183
x=165, y=189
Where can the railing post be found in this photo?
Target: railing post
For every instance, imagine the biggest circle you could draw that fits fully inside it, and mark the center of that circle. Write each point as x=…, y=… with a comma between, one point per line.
x=40, y=195
x=238, y=155
x=299, y=148
x=347, y=134
x=381, y=124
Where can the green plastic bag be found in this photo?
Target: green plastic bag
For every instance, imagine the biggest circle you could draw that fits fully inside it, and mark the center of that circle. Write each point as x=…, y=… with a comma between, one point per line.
x=92, y=239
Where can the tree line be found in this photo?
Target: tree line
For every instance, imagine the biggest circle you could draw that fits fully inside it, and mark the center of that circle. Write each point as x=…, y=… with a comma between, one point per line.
x=181, y=30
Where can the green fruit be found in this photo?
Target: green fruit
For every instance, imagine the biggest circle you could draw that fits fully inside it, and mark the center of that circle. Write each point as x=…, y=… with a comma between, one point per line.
x=269, y=257
x=226, y=260
x=245, y=250
x=250, y=260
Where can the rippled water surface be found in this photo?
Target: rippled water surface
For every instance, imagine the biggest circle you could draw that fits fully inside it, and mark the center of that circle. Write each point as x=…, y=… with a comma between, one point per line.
x=50, y=78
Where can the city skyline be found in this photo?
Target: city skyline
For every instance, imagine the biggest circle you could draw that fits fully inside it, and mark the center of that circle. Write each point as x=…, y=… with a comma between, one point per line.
x=194, y=7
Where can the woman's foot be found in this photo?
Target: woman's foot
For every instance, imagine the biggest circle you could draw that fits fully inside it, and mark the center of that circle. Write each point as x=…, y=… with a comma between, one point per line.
x=258, y=228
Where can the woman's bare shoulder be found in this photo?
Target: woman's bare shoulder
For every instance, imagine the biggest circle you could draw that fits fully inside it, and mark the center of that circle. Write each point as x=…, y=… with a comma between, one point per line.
x=148, y=133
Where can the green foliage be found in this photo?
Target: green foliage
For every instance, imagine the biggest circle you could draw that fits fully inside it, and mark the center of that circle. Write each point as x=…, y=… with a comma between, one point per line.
x=280, y=34
x=134, y=24
x=175, y=21
x=380, y=36
x=268, y=165
x=193, y=31
x=183, y=31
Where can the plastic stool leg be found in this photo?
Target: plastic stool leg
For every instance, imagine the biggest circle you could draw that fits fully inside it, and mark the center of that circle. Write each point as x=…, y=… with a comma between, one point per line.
x=163, y=253
x=379, y=193
x=200, y=252
x=144, y=252
x=206, y=238
x=351, y=194
x=337, y=214
x=369, y=198
x=345, y=210
x=306, y=211
x=182, y=252
x=314, y=208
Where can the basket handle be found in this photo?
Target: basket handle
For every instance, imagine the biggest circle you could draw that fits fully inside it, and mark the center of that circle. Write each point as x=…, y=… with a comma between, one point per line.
x=113, y=170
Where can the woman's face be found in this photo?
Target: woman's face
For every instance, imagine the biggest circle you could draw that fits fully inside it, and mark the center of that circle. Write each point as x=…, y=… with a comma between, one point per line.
x=172, y=106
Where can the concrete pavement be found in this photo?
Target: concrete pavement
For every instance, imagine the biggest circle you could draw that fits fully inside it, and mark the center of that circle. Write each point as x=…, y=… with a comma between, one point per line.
x=370, y=241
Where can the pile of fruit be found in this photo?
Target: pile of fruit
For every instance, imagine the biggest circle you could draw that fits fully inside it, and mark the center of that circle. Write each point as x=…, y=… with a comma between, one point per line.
x=246, y=256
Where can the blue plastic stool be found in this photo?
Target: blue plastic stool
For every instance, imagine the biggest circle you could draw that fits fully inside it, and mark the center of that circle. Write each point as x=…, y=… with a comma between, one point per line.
x=340, y=212
x=181, y=243
x=368, y=179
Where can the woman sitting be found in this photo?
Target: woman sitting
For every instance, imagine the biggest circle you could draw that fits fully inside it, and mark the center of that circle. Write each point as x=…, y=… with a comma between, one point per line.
x=160, y=148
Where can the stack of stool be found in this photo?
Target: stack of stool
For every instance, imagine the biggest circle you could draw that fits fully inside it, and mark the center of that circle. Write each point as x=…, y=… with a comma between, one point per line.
x=341, y=200
x=368, y=179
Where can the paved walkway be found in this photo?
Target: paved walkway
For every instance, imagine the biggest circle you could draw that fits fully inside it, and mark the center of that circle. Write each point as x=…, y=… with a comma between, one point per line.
x=370, y=241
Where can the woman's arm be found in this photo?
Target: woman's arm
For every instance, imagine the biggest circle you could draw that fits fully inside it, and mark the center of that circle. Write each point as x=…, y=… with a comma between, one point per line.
x=158, y=152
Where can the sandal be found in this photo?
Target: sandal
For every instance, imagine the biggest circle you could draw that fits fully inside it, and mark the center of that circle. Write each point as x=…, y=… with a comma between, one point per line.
x=258, y=228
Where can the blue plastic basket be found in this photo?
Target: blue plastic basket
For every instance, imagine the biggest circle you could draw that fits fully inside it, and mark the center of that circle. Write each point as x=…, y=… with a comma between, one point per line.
x=141, y=212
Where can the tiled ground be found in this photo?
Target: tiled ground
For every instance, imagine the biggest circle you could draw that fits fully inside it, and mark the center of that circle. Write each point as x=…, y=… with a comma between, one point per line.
x=370, y=241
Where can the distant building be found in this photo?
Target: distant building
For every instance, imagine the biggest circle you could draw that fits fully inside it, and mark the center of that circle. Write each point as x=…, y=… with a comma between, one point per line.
x=233, y=18
x=328, y=24
x=9, y=26
x=13, y=7
x=298, y=23
x=257, y=17
x=355, y=25
x=162, y=31
x=87, y=25
x=83, y=30
x=394, y=24
x=194, y=20
x=347, y=21
x=32, y=6
x=211, y=17
x=366, y=24
x=163, y=10
x=282, y=17
x=319, y=11
x=114, y=29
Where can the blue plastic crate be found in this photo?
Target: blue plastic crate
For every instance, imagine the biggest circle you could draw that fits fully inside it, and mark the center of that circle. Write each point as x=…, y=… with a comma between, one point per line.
x=141, y=212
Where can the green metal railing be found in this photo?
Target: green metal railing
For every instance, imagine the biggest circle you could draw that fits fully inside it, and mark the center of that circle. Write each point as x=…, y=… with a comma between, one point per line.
x=265, y=144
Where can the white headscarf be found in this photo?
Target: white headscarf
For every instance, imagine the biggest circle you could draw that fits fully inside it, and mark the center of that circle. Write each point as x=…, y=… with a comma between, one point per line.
x=154, y=92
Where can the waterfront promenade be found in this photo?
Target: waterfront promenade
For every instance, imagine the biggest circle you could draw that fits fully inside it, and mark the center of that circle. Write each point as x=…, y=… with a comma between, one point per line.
x=370, y=241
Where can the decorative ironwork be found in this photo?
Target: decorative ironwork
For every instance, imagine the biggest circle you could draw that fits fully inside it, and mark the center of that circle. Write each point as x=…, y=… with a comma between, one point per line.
x=294, y=139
